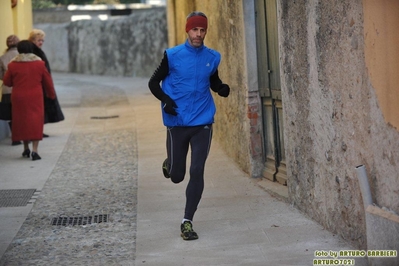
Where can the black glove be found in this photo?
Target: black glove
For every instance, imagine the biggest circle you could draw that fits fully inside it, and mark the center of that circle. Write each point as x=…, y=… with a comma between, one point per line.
x=169, y=105
x=224, y=90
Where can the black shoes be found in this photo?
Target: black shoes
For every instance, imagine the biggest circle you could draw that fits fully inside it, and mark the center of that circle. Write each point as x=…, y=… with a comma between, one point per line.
x=35, y=156
x=165, y=168
x=187, y=231
x=26, y=153
x=15, y=143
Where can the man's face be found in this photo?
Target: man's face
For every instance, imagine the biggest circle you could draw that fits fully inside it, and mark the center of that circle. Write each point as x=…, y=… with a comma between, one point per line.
x=196, y=36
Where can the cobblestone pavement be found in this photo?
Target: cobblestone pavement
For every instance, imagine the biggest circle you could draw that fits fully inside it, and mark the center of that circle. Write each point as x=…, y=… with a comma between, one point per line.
x=96, y=174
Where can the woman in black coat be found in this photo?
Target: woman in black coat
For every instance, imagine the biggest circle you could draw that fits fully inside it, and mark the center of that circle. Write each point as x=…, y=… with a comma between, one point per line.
x=52, y=108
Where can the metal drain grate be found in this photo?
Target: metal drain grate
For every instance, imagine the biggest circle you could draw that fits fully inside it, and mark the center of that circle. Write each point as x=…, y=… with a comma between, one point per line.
x=104, y=117
x=16, y=197
x=80, y=220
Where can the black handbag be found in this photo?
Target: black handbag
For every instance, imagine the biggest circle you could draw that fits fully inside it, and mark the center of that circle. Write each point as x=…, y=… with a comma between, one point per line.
x=5, y=111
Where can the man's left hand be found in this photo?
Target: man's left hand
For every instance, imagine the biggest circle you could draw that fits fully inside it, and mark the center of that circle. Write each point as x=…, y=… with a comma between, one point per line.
x=224, y=90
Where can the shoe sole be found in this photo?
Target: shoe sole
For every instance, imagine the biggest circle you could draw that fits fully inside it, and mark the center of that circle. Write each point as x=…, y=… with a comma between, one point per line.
x=188, y=238
x=165, y=169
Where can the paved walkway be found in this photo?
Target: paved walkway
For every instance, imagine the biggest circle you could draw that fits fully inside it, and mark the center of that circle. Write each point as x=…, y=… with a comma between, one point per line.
x=104, y=161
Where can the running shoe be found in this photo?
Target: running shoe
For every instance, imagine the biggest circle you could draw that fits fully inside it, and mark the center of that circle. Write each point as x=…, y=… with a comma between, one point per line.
x=187, y=232
x=165, y=168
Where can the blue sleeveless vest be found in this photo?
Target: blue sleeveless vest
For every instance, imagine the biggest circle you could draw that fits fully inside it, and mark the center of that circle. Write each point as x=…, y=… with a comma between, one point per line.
x=188, y=85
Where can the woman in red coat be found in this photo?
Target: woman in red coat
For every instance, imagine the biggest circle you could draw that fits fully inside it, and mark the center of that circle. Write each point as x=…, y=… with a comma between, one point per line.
x=28, y=76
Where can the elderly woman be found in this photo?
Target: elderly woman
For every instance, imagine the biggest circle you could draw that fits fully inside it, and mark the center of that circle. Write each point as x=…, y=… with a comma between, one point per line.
x=36, y=36
x=52, y=108
x=28, y=76
x=8, y=55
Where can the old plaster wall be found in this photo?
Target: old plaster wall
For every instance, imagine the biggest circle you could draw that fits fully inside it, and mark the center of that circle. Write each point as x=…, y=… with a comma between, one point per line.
x=382, y=62
x=333, y=121
x=124, y=46
x=382, y=54
x=225, y=34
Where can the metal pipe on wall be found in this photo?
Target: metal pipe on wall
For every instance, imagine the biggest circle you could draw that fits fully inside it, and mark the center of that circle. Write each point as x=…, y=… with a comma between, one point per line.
x=364, y=185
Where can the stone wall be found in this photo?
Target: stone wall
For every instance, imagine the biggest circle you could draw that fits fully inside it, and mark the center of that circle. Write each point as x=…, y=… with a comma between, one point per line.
x=226, y=34
x=333, y=121
x=124, y=46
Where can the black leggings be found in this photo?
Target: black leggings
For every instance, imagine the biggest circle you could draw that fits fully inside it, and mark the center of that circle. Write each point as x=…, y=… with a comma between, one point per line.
x=178, y=141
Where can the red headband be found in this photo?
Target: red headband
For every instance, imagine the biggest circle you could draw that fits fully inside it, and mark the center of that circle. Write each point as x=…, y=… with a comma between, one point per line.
x=196, y=21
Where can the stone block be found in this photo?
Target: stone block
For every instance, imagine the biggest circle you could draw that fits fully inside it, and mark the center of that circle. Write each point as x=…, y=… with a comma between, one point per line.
x=382, y=235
